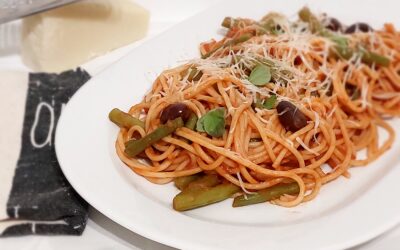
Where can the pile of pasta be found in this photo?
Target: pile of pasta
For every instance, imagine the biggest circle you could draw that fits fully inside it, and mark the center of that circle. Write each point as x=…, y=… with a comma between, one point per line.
x=300, y=99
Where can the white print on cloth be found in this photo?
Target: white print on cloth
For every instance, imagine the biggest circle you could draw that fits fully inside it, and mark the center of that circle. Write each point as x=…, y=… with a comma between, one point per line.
x=36, y=121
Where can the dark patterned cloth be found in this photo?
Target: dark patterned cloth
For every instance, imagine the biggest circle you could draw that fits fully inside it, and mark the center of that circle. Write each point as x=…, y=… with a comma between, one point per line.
x=41, y=198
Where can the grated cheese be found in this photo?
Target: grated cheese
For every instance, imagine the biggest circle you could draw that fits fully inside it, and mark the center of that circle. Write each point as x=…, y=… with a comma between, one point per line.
x=242, y=186
x=306, y=147
x=316, y=125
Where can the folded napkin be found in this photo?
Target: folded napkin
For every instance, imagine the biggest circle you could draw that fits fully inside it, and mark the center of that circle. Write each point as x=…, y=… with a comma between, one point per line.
x=38, y=199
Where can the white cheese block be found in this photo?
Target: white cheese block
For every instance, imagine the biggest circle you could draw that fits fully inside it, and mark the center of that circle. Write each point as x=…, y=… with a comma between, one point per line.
x=66, y=37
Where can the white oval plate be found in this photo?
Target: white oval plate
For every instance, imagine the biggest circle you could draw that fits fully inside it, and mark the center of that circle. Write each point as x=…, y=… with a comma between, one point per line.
x=347, y=211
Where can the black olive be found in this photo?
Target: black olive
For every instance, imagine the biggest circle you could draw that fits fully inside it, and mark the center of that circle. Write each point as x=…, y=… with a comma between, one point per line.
x=315, y=93
x=333, y=24
x=358, y=27
x=353, y=92
x=297, y=61
x=175, y=110
x=330, y=90
x=291, y=118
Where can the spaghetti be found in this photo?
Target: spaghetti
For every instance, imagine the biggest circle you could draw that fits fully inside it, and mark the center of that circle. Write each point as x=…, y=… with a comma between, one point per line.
x=343, y=85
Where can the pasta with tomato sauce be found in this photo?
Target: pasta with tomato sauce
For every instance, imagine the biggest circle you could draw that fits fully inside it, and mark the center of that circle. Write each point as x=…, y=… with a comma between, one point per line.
x=271, y=112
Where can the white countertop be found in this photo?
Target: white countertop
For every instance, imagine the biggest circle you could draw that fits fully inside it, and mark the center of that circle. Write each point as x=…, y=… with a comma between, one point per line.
x=101, y=232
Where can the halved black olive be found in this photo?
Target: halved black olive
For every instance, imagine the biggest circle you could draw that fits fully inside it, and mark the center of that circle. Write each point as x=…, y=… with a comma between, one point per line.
x=291, y=118
x=175, y=110
x=358, y=27
x=333, y=24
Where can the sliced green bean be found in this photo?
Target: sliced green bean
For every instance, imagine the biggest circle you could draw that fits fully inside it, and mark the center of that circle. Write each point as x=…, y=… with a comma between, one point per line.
x=182, y=182
x=267, y=194
x=370, y=57
x=207, y=181
x=307, y=16
x=123, y=119
x=258, y=104
x=228, y=22
x=187, y=200
x=241, y=39
x=244, y=37
x=367, y=57
x=134, y=147
x=343, y=51
x=194, y=75
x=191, y=122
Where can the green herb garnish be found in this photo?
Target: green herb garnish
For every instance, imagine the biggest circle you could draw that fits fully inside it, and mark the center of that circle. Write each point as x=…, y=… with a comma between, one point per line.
x=270, y=102
x=213, y=122
x=260, y=75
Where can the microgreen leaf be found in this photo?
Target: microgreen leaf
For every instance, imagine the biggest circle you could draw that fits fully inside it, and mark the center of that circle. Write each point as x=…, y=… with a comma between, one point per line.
x=200, y=125
x=260, y=75
x=270, y=102
x=213, y=122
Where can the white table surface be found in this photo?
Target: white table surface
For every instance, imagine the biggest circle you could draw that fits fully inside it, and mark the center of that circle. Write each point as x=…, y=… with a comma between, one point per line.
x=101, y=232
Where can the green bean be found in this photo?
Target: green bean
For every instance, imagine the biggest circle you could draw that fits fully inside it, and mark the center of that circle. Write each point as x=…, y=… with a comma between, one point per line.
x=194, y=74
x=343, y=51
x=307, y=16
x=191, y=122
x=267, y=194
x=244, y=37
x=261, y=28
x=228, y=22
x=182, y=182
x=367, y=57
x=370, y=57
x=207, y=181
x=191, y=199
x=258, y=104
x=134, y=147
x=123, y=119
